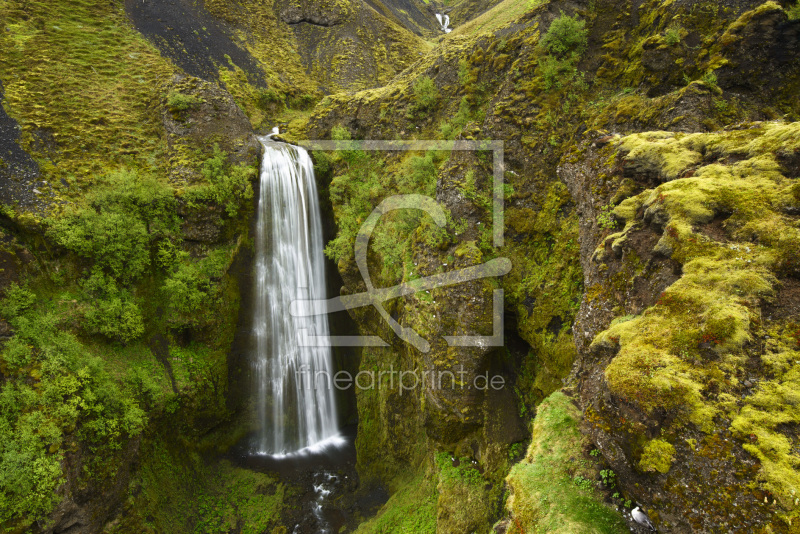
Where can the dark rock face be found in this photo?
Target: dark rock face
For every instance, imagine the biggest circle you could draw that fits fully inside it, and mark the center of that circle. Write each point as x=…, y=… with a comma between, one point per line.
x=87, y=509
x=18, y=170
x=356, y=48
x=209, y=117
x=763, y=52
x=187, y=34
x=413, y=14
x=624, y=278
x=319, y=13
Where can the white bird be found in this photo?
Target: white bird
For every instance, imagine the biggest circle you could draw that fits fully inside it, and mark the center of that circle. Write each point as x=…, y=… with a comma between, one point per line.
x=640, y=517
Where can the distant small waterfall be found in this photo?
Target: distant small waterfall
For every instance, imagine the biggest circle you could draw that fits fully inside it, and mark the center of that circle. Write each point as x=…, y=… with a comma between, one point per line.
x=295, y=402
x=444, y=22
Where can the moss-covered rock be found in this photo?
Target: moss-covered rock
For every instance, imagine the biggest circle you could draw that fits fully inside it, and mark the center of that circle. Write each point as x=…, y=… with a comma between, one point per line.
x=694, y=364
x=553, y=488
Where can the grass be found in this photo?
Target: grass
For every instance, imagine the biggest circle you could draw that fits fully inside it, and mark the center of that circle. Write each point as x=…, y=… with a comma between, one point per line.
x=84, y=86
x=499, y=16
x=412, y=508
x=550, y=493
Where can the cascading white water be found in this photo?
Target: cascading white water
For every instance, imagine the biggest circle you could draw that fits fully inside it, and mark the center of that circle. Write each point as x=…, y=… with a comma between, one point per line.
x=295, y=402
x=444, y=22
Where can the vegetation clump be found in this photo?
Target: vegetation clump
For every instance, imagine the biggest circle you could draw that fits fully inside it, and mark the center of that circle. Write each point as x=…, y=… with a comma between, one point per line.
x=672, y=36
x=177, y=101
x=426, y=94
x=552, y=489
x=658, y=456
x=55, y=391
x=563, y=44
x=566, y=37
x=226, y=185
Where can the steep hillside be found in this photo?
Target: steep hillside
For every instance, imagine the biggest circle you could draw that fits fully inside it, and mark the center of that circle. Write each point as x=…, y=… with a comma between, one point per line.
x=127, y=175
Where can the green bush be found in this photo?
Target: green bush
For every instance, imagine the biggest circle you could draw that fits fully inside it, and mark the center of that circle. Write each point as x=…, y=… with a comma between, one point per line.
x=426, y=94
x=340, y=133
x=190, y=290
x=125, y=214
x=111, y=239
x=181, y=102
x=112, y=312
x=672, y=36
x=139, y=195
x=187, y=289
x=556, y=73
x=566, y=37
x=17, y=300
x=267, y=99
x=226, y=185
x=794, y=12
x=564, y=44
x=52, y=387
x=450, y=130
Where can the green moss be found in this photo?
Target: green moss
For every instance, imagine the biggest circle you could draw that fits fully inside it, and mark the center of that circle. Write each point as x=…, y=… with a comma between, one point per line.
x=412, y=508
x=663, y=153
x=658, y=455
x=760, y=420
x=544, y=496
x=697, y=334
x=82, y=83
x=175, y=490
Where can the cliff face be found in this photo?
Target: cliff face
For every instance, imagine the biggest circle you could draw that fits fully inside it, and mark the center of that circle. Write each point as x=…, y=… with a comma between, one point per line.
x=650, y=166
x=664, y=376
x=686, y=329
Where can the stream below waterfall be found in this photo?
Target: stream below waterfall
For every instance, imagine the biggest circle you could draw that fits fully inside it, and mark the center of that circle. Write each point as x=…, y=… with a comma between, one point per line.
x=330, y=493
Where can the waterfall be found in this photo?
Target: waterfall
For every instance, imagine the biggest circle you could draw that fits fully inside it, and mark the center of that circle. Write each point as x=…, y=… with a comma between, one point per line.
x=295, y=403
x=444, y=23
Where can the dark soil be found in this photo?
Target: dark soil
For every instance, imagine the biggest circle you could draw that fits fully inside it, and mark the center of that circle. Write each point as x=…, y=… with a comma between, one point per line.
x=18, y=170
x=188, y=35
x=715, y=229
x=787, y=302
